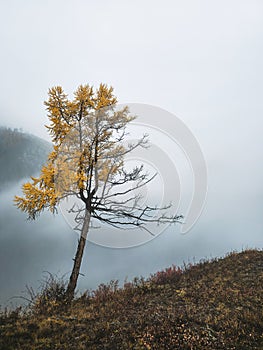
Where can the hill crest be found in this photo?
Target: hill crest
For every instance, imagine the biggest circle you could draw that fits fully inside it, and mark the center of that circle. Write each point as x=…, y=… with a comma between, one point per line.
x=211, y=305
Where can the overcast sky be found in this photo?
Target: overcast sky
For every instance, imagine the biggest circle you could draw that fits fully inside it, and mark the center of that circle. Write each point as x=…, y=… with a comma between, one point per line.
x=200, y=60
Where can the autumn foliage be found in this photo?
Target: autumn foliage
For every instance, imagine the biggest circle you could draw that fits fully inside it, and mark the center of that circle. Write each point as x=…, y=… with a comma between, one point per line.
x=87, y=166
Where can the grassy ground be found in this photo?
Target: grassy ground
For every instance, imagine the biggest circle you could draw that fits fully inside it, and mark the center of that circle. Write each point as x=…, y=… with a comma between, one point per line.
x=211, y=305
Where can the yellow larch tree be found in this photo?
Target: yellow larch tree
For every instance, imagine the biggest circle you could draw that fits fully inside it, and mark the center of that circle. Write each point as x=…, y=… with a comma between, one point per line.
x=87, y=162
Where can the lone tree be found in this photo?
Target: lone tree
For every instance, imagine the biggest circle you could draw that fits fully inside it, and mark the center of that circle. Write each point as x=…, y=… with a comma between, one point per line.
x=87, y=163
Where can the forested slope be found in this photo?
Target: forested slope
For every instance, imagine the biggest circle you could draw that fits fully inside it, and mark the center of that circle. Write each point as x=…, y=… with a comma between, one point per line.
x=21, y=155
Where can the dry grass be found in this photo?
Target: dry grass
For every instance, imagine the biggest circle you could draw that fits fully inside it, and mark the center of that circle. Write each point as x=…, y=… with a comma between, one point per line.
x=211, y=305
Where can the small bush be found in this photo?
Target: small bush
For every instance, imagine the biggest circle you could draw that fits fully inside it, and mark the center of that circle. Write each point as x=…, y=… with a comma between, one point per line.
x=50, y=297
x=170, y=274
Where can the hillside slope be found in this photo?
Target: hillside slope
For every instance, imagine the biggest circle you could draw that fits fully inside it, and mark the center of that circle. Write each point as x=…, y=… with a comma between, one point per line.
x=211, y=305
x=21, y=155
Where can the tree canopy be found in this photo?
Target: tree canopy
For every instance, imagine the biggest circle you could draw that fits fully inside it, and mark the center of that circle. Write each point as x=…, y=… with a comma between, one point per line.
x=88, y=163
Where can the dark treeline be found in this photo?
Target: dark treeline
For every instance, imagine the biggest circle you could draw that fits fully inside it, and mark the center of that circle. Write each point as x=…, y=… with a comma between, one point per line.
x=21, y=155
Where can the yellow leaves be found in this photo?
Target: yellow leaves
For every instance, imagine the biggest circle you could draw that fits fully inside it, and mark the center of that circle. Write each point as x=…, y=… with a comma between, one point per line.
x=86, y=147
x=47, y=175
x=64, y=114
x=105, y=97
x=83, y=97
x=52, y=155
x=181, y=292
x=35, y=180
x=39, y=194
x=62, y=176
x=60, y=122
x=33, y=202
x=81, y=179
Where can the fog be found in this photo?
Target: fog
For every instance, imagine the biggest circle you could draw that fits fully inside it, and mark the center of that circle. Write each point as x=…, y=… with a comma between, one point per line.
x=201, y=61
x=231, y=221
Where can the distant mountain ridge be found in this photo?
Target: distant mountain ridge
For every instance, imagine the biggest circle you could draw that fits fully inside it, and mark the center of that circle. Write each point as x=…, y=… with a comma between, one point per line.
x=21, y=155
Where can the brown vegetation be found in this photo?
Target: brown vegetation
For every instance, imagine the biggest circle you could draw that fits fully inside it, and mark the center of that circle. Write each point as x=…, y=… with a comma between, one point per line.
x=211, y=305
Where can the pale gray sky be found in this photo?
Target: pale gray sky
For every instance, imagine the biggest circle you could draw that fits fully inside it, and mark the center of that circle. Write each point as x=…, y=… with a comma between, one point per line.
x=201, y=60
x=198, y=59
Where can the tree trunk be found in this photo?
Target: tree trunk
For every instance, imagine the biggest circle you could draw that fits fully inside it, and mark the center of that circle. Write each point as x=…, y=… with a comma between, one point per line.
x=78, y=258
